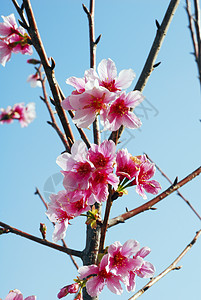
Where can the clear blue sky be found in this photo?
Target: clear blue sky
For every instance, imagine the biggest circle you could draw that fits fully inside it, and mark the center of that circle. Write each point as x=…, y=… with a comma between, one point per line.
x=170, y=134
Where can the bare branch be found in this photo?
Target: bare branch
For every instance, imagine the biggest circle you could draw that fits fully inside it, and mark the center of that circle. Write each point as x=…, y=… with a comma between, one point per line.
x=149, y=204
x=178, y=192
x=38, y=45
x=41, y=241
x=167, y=270
x=160, y=35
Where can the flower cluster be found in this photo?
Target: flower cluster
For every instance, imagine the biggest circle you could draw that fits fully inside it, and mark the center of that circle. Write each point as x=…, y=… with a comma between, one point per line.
x=17, y=295
x=102, y=94
x=122, y=263
x=87, y=174
x=13, y=39
x=24, y=114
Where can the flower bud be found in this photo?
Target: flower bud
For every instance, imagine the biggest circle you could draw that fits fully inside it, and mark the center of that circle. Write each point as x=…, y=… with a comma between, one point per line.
x=68, y=289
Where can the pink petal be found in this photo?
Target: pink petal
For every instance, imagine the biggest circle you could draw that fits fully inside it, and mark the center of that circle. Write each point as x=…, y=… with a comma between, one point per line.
x=30, y=298
x=130, y=120
x=60, y=231
x=78, y=83
x=139, y=189
x=130, y=247
x=144, y=251
x=66, y=104
x=114, y=285
x=14, y=295
x=131, y=285
x=152, y=186
x=146, y=271
x=134, y=98
x=107, y=70
x=87, y=271
x=95, y=285
x=125, y=79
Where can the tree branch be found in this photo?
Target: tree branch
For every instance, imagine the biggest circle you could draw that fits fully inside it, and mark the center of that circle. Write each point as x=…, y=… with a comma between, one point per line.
x=41, y=241
x=178, y=192
x=122, y=218
x=49, y=69
x=167, y=270
x=149, y=64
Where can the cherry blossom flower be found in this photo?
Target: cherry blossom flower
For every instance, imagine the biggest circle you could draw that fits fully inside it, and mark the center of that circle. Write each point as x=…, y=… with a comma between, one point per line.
x=119, y=112
x=95, y=284
x=17, y=295
x=57, y=213
x=103, y=156
x=89, y=104
x=14, y=39
x=107, y=76
x=120, y=262
x=25, y=114
x=69, y=289
x=34, y=80
x=142, y=182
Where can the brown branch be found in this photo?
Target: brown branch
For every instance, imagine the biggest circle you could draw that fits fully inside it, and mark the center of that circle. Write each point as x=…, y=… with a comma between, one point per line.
x=167, y=270
x=49, y=69
x=122, y=218
x=53, y=123
x=41, y=241
x=149, y=64
x=37, y=192
x=178, y=192
x=105, y=221
x=196, y=39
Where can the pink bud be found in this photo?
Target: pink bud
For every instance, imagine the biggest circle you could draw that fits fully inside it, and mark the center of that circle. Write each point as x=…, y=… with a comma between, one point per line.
x=72, y=289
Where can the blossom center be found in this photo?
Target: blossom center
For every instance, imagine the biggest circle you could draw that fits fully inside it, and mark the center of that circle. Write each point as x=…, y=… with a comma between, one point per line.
x=84, y=168
x=119, y=260
x=97, y=103
x=119, y=108
x=110, y=85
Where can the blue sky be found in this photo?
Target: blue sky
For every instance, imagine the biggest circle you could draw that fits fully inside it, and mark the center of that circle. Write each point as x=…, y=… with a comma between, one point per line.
x=170, y=135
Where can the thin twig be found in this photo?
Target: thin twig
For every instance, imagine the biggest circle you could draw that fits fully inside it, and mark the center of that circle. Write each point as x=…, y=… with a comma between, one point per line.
x=178, y=192
x=41, y=241
x=48, y=68
x=53, y=123
x=122, y=218
x=37, y=192
x=149, y=64
x=167, y=270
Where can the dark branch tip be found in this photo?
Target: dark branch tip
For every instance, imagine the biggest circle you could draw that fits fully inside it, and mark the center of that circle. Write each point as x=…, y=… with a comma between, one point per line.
x=52, y=101
x=85, y=9
x=156, y=65
x=157, y=24
x=175, y=181
x=53, y=64
x=23, y=24
x=98, y=39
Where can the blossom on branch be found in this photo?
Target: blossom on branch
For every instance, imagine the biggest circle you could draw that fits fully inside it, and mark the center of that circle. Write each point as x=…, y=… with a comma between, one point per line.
x=101, y=94
x=34, y=80
x=24, y=114
x=122, y=264
x=13, y=39
x=17, y=295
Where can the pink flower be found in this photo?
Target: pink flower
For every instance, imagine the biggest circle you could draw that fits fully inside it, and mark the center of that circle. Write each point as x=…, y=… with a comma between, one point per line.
x=34, y=80
x=108, y=76
x=57, y=213
x=142, y=182
x=9, y=26
x=69, y=289
x=89, y=104
x=119, y=112
x=17, y=295
x=120, y=262
x=25, y=114
x=96, y=283
x=127, y=165
x=79, y=201
x=103, y=156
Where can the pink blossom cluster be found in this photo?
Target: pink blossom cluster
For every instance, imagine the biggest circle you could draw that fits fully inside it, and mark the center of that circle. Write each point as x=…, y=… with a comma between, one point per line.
x=102, y=94
x=17, y=295
x=121, y=264
x=87, y=174
x=24, y=114
x=13, y=39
